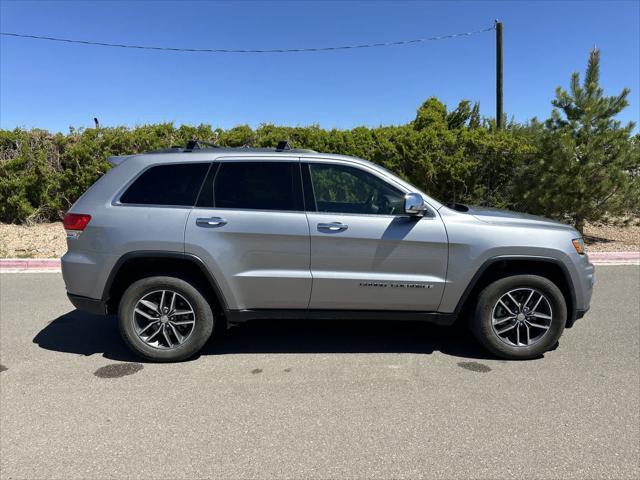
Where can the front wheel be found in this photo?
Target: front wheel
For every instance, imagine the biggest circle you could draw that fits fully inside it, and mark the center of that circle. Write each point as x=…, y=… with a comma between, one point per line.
x=164, y=319
x=519, y=317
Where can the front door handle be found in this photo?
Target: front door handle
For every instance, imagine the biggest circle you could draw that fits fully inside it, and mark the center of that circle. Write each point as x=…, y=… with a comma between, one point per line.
x=211, y=222
x=332, y=227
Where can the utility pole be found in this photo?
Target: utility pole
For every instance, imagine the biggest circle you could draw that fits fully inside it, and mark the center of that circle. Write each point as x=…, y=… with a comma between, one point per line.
x=498, y=74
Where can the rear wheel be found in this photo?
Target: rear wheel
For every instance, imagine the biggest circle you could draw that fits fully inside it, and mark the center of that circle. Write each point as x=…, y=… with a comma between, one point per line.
x=519, y=317
x=164, y=319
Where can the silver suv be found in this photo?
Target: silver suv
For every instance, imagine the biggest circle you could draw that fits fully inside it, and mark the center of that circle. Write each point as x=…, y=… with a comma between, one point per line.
x=183, y=242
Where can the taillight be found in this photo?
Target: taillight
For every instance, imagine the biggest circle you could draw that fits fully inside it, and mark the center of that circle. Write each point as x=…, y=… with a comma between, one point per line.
x=76, y=221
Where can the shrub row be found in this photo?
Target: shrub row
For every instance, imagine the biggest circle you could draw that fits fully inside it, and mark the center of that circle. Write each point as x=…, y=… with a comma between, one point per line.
x=42, y=174
x=452, y=155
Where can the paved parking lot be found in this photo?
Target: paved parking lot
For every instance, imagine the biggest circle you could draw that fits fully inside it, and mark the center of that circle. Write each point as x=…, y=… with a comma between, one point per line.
x=316, y=399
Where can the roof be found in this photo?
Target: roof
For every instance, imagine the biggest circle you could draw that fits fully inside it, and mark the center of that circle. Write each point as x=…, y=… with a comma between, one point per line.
x=171, y=155
x=230, y=149
x=185, y=153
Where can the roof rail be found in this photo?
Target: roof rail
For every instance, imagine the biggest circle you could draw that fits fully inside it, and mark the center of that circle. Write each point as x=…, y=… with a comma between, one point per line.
x=171, y=149
x=196, y=144
x=282, y=146
x=116, y=160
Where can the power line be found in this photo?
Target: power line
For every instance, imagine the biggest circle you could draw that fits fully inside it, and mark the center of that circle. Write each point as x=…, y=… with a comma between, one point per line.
x=227, y=50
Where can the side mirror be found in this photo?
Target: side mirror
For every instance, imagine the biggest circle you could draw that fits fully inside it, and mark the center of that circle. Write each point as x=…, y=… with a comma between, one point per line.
x=414, y=204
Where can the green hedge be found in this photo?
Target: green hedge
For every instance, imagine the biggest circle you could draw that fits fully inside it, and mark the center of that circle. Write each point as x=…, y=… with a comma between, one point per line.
x=452, y=155
x=42, y=174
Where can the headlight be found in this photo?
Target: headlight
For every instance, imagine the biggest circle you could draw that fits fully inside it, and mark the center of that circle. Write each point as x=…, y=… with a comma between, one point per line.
x=578, y=244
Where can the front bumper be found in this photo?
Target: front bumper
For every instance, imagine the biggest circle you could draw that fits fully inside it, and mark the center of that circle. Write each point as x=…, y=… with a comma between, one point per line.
x=586, y=279
x=89, y=305
x=579, y=313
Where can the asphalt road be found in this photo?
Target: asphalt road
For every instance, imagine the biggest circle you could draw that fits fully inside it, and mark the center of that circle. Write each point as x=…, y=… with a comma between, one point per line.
x=317, y=399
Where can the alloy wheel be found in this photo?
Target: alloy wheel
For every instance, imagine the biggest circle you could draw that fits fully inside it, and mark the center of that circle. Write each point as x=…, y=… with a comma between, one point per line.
x=163, y=319
x=522, y=317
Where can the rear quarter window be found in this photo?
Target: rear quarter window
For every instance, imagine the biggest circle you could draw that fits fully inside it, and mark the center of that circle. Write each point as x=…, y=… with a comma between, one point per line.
x=175, y=184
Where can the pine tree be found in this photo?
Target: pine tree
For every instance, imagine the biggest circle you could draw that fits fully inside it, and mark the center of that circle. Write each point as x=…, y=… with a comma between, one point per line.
x=589, y=164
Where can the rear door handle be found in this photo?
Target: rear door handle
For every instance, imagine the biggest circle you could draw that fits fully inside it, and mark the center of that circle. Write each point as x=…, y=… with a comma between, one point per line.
x=211, y=222
x=332, y=227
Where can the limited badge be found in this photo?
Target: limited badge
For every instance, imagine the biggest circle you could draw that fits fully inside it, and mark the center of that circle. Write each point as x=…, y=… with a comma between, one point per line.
x=395, y=285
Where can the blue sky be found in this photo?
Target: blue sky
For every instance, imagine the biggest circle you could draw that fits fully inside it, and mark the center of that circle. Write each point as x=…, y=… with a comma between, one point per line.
x=55, y=86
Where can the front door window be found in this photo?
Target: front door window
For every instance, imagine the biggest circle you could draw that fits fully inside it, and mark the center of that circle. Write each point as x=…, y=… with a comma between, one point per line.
x=344, y=189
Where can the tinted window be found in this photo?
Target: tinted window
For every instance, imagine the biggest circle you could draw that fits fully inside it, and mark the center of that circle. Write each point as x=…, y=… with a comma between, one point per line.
x=205, y=199
x=342, y=189
x=259, y=186
x=167, y=185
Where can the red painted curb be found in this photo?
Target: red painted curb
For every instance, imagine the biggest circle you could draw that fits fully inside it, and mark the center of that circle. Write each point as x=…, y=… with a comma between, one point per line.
x=614, y=255
x=29, y=263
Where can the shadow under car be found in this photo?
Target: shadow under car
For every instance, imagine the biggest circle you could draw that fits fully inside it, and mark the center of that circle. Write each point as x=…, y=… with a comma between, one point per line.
x=81, y=333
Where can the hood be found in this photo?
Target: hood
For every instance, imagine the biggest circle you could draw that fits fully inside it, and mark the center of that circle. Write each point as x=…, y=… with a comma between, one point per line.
x=504, y=217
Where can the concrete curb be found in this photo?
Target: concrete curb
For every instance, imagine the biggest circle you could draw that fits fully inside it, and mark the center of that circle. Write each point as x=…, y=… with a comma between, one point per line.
x=17, y=265
x=615, y=258
x=39, y=265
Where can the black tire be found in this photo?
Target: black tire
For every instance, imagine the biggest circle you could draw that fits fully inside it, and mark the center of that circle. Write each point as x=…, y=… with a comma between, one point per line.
x=481, y=320
x=202, y=328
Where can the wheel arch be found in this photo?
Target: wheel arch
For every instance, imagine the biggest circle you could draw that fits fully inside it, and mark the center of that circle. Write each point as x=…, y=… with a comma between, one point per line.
x=503, y=266
x=136, y=265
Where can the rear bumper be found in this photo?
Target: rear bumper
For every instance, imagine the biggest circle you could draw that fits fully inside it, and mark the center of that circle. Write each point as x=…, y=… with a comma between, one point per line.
x=89, y=305
x=85, y=273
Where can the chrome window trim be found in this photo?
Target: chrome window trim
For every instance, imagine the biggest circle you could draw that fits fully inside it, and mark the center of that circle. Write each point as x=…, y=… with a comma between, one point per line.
x=400, y=215
x=150, y=205
x=246, y=209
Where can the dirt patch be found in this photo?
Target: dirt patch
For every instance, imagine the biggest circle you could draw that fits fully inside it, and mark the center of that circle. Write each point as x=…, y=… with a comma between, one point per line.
x=48, y=240
x=606, y=238
x=43, y=240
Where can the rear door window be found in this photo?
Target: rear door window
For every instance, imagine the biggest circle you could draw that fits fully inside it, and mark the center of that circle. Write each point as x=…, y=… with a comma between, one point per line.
x=258, y=186
x=175, y=184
